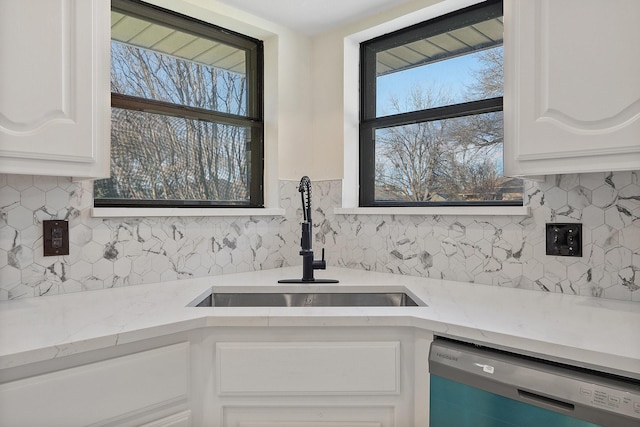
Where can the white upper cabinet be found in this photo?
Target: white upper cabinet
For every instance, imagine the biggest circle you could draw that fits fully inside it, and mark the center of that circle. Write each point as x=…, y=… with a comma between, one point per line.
x=572, y=86
x=54, y=87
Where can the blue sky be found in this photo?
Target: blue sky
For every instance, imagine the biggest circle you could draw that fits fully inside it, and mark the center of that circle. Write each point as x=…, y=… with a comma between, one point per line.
x=453, y=74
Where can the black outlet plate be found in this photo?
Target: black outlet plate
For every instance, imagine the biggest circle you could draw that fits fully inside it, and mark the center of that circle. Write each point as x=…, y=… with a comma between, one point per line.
x=55, y=237
x=564, y=239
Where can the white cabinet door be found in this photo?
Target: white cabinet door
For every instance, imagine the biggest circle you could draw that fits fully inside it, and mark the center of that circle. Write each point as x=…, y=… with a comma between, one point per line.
x=182, y=419
x=310, y=416
x=101, y=392
x=335, y=383
x=308, y=368
x=572, y=86
x=54, y=87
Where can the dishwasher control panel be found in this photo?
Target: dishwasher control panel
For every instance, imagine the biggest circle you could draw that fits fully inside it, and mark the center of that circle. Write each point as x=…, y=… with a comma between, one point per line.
x=621, y=402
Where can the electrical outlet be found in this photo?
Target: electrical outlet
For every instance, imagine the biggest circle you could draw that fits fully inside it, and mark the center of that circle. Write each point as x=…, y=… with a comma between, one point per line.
x=55, y=237
x=564, y=239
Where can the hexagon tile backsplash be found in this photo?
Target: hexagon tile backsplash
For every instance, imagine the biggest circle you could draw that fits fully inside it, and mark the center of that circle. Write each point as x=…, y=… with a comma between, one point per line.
x=493, y=250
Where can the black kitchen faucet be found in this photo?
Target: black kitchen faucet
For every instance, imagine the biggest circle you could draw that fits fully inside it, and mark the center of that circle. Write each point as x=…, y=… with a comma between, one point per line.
x=306, y=245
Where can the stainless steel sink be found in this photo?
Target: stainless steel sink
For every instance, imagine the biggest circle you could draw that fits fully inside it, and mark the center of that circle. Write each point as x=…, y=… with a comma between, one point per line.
x=308, y=299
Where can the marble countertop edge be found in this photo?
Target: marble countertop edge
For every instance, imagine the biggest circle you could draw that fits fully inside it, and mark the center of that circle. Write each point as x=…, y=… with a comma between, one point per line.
x=590, y=331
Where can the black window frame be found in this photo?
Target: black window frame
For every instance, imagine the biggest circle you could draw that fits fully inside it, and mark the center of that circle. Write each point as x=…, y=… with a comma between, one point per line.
x=369, y=123
x=254, y=119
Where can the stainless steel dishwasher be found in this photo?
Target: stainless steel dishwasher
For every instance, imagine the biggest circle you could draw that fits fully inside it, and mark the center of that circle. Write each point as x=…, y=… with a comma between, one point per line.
x=474, y=386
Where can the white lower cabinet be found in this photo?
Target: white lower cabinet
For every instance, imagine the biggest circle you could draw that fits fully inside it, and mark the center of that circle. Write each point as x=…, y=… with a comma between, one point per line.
x=231, y=377
x=308, y=368
x=116, y=391
x=181, y=419
x=311, y=416
x=310, y=377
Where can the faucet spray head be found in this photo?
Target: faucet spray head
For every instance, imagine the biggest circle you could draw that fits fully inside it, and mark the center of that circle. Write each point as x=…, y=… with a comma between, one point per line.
x=305, y=189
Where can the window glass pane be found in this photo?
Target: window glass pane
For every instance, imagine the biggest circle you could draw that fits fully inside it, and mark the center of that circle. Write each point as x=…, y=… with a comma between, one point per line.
x=158, y=157
x=453, y=160
x=156, y=62
x=459, y=66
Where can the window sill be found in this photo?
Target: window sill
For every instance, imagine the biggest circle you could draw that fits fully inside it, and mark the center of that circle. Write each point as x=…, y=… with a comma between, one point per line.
x=183, y=212
x=439, y=210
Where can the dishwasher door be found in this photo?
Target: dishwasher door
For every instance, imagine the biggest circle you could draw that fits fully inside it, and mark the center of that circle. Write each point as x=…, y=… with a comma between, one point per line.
x=474, y=386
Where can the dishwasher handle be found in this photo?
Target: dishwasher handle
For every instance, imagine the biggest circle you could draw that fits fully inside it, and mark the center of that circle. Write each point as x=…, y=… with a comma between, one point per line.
x=540, y=400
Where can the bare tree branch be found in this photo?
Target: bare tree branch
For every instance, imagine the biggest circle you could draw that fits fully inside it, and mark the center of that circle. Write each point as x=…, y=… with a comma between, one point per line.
x=453, y=159
x=162, y=158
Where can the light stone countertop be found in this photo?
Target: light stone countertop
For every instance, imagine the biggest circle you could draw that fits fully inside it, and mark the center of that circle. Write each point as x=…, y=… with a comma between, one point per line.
x=586, y=331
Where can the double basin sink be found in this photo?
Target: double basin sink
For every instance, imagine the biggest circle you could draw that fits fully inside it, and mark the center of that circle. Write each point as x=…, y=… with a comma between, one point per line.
x=333, y=297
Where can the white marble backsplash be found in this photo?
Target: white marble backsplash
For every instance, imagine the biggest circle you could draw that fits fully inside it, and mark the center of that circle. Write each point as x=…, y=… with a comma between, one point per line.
x=493, y=250
x=510, y=251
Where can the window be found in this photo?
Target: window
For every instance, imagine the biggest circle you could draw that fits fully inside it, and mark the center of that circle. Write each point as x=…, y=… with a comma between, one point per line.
x=431, y=131
x=186, y=111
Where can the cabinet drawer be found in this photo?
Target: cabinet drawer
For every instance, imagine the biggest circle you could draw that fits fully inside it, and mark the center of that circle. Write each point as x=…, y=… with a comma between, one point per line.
x=98, y=391
x=311, y=368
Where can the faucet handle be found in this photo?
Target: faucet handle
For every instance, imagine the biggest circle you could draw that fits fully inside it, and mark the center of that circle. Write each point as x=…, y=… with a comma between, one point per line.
x=320, y=264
